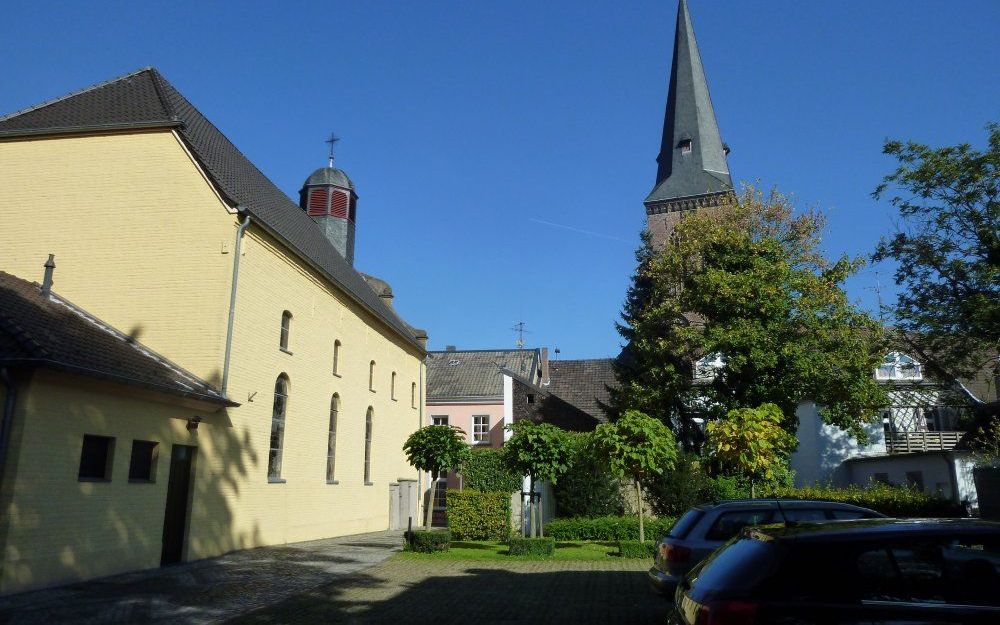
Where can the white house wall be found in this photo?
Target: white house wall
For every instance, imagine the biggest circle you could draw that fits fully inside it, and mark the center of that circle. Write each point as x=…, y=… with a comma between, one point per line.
x=823, y=448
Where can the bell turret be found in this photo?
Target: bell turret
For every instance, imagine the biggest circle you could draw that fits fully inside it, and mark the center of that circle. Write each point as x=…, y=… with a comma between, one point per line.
x=328, y=197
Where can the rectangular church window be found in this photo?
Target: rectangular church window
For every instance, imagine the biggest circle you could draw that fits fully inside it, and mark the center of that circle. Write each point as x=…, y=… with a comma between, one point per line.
x=95, y=458
x=142, y=464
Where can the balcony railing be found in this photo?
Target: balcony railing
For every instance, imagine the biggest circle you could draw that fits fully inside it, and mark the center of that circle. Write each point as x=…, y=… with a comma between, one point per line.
x=908, y=442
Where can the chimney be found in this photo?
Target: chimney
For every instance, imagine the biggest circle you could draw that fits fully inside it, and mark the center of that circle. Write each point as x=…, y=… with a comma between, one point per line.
x=544, y=366
x=450, y=348
x=50, y=266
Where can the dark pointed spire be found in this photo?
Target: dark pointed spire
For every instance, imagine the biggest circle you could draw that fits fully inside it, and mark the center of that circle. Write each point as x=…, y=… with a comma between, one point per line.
x=692, y=158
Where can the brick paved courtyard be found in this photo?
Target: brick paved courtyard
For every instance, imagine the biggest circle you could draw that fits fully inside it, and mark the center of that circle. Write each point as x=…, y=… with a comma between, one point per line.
x=401, y=590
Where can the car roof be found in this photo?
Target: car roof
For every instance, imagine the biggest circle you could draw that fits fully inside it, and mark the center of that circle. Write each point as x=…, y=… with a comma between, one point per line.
x=792, y=504
x=875, y=529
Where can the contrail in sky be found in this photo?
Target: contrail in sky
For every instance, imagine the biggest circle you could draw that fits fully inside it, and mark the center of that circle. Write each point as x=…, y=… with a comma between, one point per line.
x=580, y=230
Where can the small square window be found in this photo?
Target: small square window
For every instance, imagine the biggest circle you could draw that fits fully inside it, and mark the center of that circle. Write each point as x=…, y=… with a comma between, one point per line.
x=439, y=419
x=95, y=457
x=531, y=398
x=142, y=465
x=684, y=145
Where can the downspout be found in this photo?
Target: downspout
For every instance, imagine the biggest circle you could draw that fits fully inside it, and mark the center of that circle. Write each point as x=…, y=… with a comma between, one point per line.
x=237, y=249
x=8, y=418
x=420, y=412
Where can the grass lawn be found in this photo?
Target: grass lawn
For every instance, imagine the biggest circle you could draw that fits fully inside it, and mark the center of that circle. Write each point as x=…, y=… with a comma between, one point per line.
x=492, y=550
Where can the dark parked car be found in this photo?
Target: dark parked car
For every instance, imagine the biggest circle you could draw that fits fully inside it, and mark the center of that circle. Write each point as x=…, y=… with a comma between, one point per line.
x=704, y=528
x=876, y=571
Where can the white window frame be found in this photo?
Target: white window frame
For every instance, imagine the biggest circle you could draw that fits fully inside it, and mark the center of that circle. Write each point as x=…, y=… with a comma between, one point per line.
x=480, y=437
x=436, y=417
x=899, y=366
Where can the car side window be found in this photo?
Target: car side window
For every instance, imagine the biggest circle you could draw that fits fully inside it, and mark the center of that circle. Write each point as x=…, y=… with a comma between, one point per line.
x=848, y=514
x=798, y=515
x=959, y=571
x=729, y=524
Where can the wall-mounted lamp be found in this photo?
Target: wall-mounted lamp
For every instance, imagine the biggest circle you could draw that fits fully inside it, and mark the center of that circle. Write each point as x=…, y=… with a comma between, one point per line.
x=193, y=422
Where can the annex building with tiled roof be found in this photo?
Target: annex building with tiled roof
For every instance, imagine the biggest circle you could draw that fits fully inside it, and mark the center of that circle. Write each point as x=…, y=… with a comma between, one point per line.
x=206, y=370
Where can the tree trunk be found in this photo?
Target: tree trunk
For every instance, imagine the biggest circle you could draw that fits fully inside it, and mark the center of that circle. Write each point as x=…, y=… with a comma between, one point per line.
x=541, y=517
x=531, y=499
x=638, y=505
x=429, y=512
x=752, y=494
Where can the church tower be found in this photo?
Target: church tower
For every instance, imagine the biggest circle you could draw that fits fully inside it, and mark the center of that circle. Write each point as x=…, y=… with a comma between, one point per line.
x=328, y=197
x=692, y=171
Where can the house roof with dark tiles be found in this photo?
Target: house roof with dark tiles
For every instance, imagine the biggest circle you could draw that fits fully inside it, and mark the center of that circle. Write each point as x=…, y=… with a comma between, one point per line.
x=583, y=383
x=144, y=99
x=476, y=373
x=47, y=331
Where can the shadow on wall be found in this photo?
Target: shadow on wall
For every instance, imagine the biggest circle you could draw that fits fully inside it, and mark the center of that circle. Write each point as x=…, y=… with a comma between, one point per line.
x=59, y=529
x=485, y=596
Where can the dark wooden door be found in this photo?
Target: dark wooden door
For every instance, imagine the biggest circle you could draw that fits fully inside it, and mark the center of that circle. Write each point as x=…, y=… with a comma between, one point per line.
x=175, y=515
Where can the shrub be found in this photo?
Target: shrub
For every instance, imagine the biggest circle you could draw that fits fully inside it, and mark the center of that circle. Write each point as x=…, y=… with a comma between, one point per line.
x=681, y=488
x=607, y=528
x=894, y=501
x=586, y=489
x=429, y=541
x=532, y=546
x=485, y=471
x=636, y=549
x=474, y=515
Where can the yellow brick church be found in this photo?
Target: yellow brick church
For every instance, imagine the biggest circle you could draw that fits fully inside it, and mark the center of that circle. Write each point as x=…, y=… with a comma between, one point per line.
x=199, y=368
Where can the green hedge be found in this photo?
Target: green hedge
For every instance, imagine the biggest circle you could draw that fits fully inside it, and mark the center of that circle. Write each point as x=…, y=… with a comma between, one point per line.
x=483, y=470
x=636, y=549
x=894, y=501
x=586, y=489
x=474, y=515
x=607, y=528
x=424, y=541
x=532, y=546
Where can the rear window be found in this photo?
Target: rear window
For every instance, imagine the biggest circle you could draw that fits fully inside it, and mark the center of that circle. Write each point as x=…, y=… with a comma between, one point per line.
x=684, y=524
x=729, y=524
x=734, y=567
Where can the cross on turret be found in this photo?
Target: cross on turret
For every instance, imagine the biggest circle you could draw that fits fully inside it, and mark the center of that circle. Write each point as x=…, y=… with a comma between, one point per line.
x=333, y=140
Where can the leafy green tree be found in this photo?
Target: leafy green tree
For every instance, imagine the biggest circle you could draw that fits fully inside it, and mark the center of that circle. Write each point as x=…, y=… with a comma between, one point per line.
x=947, y=250
x=752, y=442
x=435, y=448
x=746, y=288
x=637, y=447
x=540, y=451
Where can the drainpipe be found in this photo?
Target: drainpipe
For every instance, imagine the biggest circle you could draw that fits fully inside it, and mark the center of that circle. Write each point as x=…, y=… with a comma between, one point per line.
x=8, y=418
x=232, y=299
x=420, y=474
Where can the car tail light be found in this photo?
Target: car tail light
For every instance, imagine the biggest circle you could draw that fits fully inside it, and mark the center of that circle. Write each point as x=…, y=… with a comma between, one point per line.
x=727, y=613
x=674, y=553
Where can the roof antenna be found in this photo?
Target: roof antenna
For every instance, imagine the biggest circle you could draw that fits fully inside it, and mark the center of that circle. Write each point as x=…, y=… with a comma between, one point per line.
x=332, y=141
x=777, y=502
x=519, y=328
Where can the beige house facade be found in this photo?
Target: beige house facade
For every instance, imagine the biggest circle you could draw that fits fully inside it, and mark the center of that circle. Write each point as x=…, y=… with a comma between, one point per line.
x=164, y=231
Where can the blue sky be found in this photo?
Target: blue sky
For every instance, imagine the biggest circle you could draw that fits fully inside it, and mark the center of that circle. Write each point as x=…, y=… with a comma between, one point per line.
x=469, y=128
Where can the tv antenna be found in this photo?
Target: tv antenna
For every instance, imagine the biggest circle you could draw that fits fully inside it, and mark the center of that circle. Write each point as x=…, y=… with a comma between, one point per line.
x=519, y=328
x=878, y=296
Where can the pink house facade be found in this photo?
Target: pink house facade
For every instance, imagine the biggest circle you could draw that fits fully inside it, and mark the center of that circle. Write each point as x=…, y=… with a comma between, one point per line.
x=467, y=389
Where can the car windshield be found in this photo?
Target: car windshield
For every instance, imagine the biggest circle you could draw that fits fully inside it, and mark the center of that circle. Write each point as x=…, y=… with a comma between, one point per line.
x=684, y=524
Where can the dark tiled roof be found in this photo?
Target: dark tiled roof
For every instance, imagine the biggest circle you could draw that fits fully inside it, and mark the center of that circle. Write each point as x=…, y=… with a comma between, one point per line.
x=583, y=383
x=146, y=99
x=50, y=332
x=547, y=407
x=458, y=374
